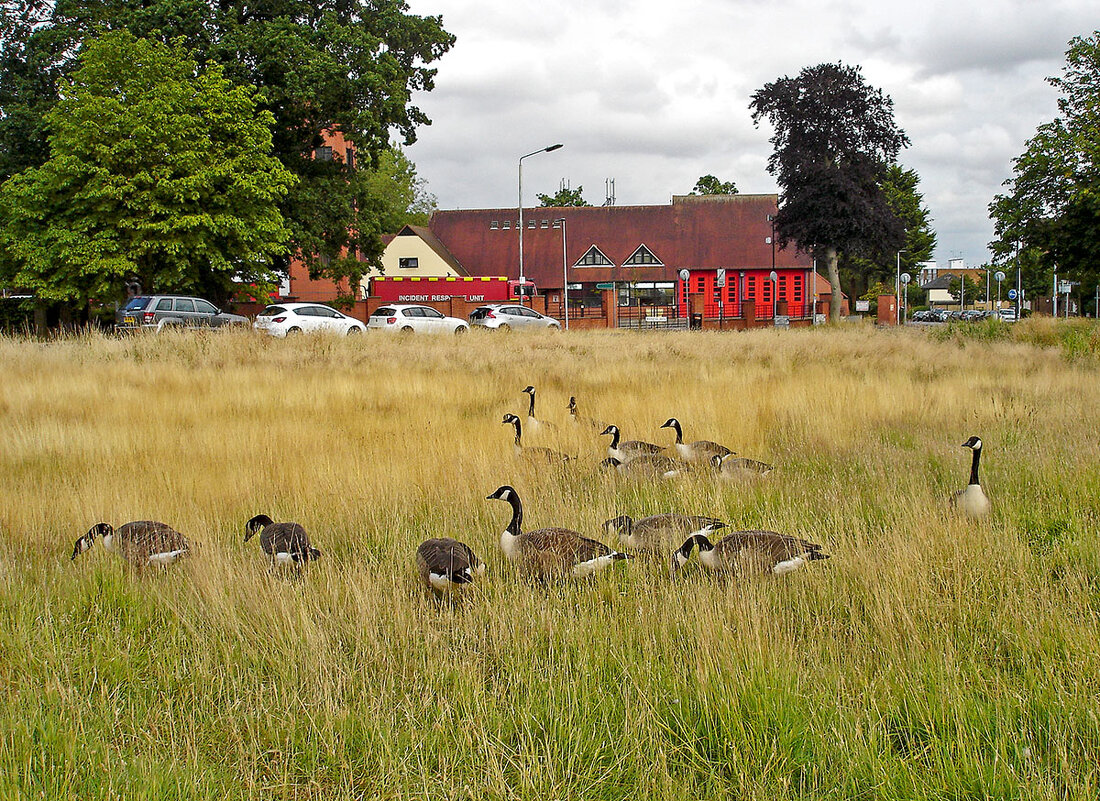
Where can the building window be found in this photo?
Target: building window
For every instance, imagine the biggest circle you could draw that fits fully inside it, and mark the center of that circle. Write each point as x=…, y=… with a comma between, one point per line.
x=408, y=264
x=798, y=297
x=532, y=223
x=594, y=258
x=643, y=256
x=545, y=224
x=507, y=224
x=322, y=153
x=349, y=157
x=495, y=224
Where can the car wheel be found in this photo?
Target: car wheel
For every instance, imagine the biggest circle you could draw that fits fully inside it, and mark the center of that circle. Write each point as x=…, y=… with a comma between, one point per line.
x=460, y=330
x=406, y=329
x=354, y=330
x=294, y=330
x=504, y=327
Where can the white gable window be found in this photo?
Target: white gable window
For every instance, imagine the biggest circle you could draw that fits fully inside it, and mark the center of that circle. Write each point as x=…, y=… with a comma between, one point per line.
x=594, y=258
x=643, y=257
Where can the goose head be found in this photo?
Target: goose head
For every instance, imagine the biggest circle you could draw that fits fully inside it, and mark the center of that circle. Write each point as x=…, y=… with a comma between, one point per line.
x=572, y=407
x=610, y=463
x=88, y=540
x=256, y=525
x=671, y=422
x=621, y=525
x=974, y=443
x=503, y=493
x=510, y=419
x=530, y=391
x=612, y=430
x=700, y=538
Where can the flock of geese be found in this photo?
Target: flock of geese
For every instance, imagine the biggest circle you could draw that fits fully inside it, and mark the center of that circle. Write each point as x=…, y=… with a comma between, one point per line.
x=445, y=565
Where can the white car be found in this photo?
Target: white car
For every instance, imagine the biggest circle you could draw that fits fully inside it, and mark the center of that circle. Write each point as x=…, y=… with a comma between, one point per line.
x=504, y=316
x=414, y=319
x=286, y=319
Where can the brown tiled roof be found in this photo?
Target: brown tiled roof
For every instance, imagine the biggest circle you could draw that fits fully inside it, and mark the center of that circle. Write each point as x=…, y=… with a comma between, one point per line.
x=693, y=232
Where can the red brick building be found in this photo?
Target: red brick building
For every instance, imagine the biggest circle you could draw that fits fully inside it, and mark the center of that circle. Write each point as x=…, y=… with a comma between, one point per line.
x=641, y=250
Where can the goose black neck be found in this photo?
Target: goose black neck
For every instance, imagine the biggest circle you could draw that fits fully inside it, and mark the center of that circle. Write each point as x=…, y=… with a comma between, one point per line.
x=679, y=433
x=974, y=466
x=531, y=405
x=515, y=526
x=615, y=439
x=703, y=542
x=519, y=432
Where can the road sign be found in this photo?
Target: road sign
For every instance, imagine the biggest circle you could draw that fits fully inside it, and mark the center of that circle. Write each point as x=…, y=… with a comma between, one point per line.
x=720, y=280
x=782, y=321
x=1012, y=294
x=605, y=286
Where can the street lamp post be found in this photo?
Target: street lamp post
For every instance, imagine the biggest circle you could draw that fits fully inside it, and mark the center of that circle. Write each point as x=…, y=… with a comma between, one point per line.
x=547, y=149
x=897, y=288
x=564, y=272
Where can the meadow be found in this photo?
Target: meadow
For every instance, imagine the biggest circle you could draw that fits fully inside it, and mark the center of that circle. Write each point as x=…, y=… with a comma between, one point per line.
x=930, y=658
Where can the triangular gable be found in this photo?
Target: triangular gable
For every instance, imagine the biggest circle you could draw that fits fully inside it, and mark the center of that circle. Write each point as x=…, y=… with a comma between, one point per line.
x=433, y=242
x=643, y=257
x=594, y=257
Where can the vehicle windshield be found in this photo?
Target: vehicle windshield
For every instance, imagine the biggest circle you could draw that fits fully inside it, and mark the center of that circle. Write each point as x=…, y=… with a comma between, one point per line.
x=136, y=304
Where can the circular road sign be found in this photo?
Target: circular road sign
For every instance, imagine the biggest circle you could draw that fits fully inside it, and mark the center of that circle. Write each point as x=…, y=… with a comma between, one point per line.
x=1012, y=294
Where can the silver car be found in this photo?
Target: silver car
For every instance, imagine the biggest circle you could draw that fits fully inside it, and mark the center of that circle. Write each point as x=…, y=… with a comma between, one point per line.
x=155, y=312
x=504, y=316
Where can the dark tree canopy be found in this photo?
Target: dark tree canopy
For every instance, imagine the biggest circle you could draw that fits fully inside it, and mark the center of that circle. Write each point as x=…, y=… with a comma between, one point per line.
x=709, y=185
x=833, y=138
x=347, y=65
x=1051, y=209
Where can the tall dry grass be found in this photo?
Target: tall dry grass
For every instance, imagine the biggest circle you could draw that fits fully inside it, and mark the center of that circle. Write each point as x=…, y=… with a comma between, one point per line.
x=929, y=658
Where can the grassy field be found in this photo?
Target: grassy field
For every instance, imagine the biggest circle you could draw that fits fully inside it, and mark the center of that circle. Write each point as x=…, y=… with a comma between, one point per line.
x=930, y=658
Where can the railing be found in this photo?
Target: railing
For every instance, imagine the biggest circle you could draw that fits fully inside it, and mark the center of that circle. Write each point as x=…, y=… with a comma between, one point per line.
x=651, y=317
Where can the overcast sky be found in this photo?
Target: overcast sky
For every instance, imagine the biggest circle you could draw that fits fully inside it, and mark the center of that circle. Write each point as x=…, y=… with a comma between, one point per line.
x=655, y=93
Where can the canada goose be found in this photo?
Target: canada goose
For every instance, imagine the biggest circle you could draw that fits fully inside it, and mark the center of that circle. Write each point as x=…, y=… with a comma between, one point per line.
x=650, y=465
x=973, y=500
x=745, y=553
x=625, y=451
x=141, y=542
x=535, y=454
x=657, y=533
x=445, y=564
x=701, y=450
x=533, y=423
x=284, y=543
x=590, y=422
x=732, y=467
x=549, y=552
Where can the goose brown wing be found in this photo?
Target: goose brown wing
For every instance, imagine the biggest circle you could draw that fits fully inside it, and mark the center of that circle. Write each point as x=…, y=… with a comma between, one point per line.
x=637, y=446
x=284, y=538
x=767, y=547
x=669, y=528
x=445, y=555
x=565, y=544
x=546, y=455
x=139, y=539
x=710, y=449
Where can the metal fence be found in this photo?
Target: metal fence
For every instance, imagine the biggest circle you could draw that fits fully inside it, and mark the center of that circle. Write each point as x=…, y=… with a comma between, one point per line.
x=651, y=317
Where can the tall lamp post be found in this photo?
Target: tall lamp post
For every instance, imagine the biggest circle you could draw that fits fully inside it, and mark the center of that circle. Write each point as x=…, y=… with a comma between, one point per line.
x=897, y=288
x=547, y=149
x=564, y=271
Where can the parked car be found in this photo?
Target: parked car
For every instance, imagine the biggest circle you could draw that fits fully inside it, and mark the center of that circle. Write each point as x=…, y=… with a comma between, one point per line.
x=508, y=315
x=1008, y=315
x=155, y=312
x=295, y=318
x=414, y=319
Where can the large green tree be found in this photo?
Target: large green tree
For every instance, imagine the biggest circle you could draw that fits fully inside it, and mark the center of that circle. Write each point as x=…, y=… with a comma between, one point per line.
x=1050, y=213
x=157, y=169
x=833, y=137
x=347, y=65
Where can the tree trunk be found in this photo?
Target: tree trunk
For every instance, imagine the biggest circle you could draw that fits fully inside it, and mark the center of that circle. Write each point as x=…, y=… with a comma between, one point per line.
x=41, y=318
x=836, y=298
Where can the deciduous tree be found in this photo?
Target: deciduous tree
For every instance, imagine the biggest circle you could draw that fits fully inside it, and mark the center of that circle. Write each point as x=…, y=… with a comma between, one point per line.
x=157, y=169
x=833, y=138
x=1051, y=209
x=709, y=185
x=564, y=198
